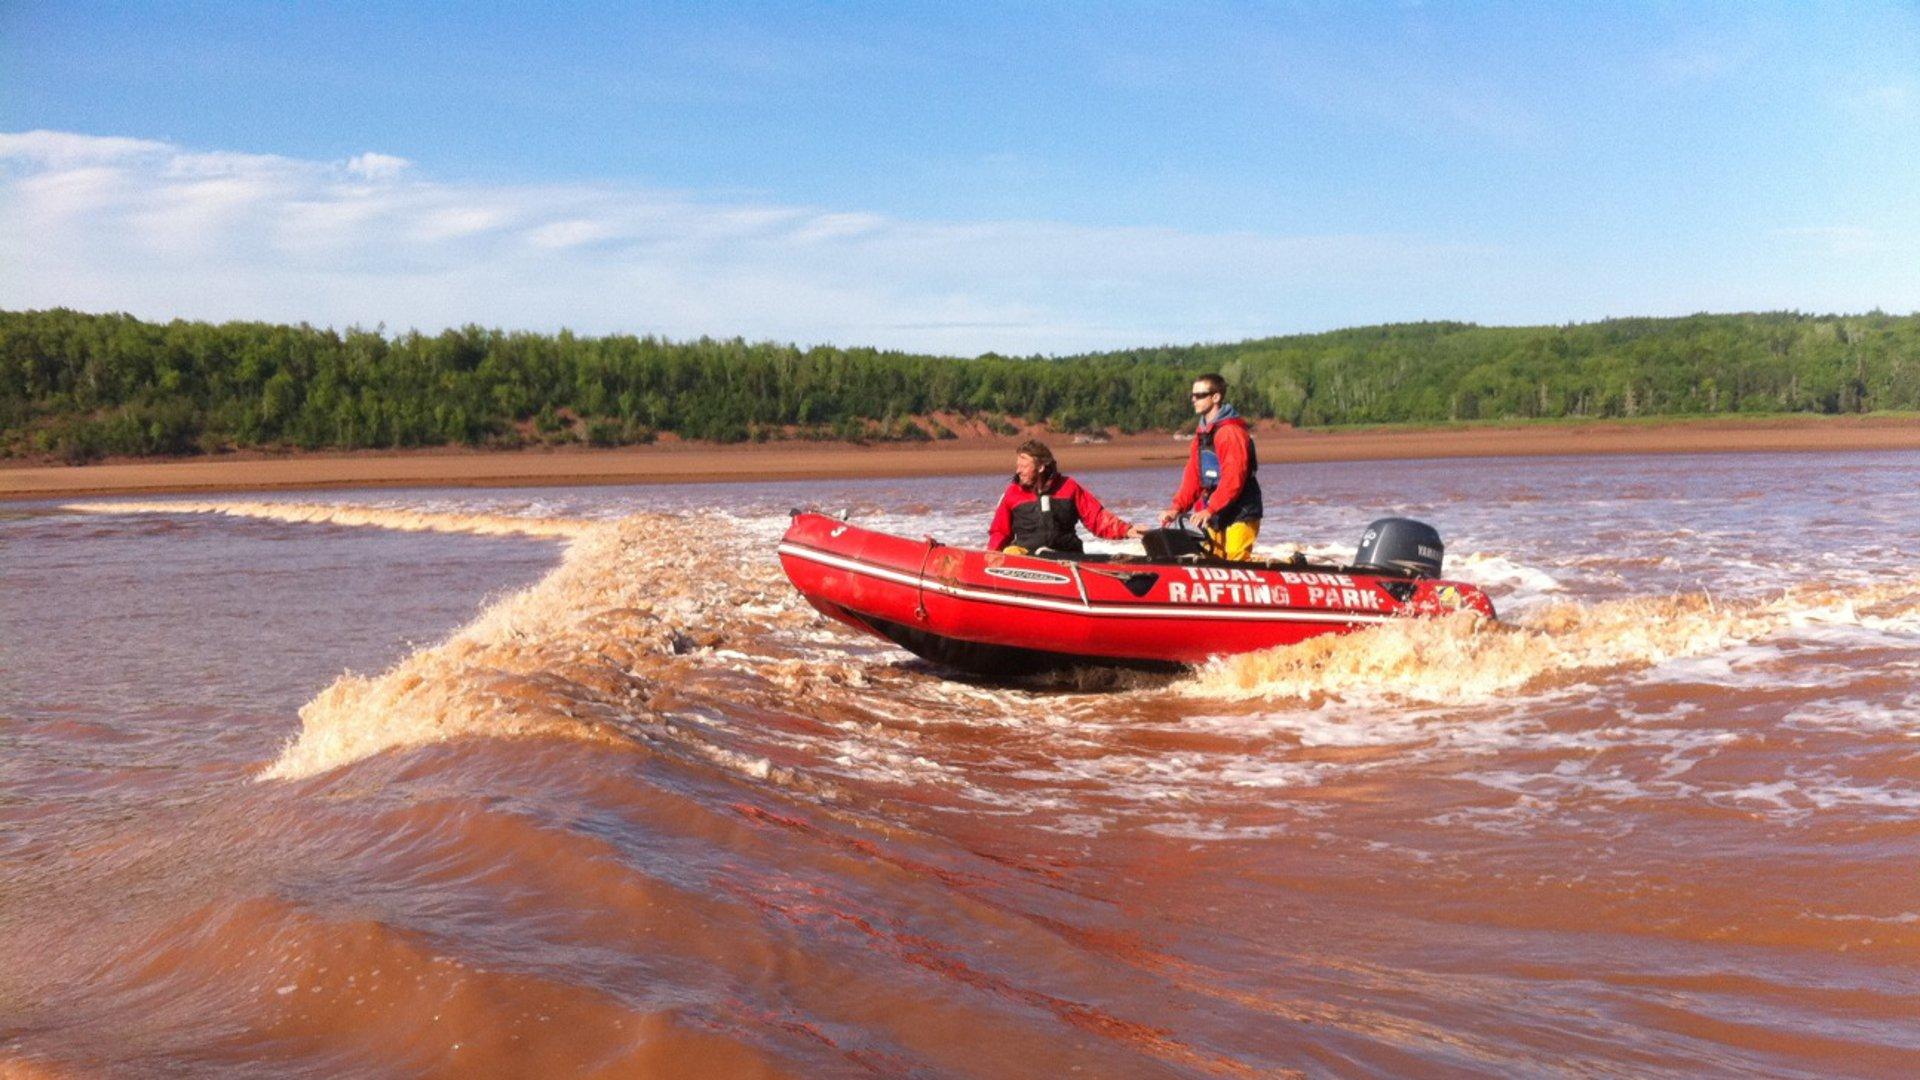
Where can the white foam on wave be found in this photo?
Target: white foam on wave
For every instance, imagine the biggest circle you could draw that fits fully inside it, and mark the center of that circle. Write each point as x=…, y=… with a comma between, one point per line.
x=1854, y=715
x=1514, y=584
x=898, y=765
x=404, y=519
x=1801, y=792
x=1746, y=665
x=1464, y=659
x=1334, y=725
x=1212, y=830
x=1897, y=919
x=1842, y=620
x=1178, y=777
x=580, y=654
x=1793, y=797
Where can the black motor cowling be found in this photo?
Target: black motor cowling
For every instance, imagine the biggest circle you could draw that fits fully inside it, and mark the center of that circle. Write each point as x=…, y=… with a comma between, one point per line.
x=1401, y=545
x=1182, y=543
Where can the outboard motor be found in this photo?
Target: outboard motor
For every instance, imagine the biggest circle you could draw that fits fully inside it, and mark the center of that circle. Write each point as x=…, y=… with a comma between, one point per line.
x=1401, y=545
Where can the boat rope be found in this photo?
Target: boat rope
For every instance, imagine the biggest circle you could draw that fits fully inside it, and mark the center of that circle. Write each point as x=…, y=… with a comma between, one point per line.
x=920, y=593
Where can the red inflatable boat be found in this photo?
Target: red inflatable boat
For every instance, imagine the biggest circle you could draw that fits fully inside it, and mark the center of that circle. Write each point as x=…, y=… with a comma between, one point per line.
x=999, y=614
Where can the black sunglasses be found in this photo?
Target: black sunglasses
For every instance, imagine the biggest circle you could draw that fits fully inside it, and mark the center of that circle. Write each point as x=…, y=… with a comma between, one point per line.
x=1204, y=393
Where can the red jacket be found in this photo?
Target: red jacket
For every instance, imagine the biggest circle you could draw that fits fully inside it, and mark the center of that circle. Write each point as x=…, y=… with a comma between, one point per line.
x=1231, y=442
x=1098, y=519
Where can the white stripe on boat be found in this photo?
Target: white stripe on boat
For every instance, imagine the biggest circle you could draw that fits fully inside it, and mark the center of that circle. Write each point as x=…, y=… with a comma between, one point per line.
x=1158, y=611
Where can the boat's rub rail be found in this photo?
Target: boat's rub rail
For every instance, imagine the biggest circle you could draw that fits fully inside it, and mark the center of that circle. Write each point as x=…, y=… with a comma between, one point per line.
x=1084, y=605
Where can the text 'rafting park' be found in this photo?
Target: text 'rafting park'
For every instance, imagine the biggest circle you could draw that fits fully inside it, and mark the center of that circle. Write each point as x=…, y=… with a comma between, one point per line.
x=1213, y=584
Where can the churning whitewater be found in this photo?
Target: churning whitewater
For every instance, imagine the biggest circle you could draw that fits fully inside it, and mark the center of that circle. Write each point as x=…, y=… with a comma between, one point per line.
x=582, y=653
x=603, y=794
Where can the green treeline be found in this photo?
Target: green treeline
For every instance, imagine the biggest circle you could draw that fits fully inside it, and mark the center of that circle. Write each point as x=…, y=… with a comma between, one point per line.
x=1698, y=365
x=79, y=386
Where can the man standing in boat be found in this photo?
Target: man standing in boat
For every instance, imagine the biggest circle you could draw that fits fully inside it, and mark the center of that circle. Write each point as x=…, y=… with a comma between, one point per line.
x=1041, y=508
x=1218, y=490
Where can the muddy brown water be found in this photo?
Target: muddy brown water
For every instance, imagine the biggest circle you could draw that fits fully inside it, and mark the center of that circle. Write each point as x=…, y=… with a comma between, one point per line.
x=550, y=782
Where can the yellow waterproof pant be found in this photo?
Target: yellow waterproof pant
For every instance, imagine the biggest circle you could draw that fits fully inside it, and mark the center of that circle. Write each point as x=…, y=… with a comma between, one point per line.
x=1236, y=543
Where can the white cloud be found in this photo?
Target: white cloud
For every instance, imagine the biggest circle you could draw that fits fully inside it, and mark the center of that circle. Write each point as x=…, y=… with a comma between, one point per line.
x=572, y=232
x=374, y=166
x=61, y=149
x=164, y=232
x=228, y=163
x=62, y=193
x=838, y=227
x=453, y=222
x=198, y=213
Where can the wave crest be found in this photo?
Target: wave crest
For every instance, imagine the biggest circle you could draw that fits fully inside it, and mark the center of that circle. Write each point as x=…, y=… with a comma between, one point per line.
x=1465, y=659
x=633, y=607
x=581, y=654
x=400, y=519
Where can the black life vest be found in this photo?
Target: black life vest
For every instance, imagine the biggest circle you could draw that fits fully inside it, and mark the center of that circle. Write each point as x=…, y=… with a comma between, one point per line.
x=1047, y=520
x=1247, y=505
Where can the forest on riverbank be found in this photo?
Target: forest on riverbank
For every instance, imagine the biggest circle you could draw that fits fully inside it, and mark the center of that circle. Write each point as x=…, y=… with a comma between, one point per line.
x=77, y=386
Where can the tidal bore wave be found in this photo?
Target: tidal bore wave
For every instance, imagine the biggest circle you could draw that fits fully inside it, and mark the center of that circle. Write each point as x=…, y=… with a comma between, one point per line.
x=649, y=813
x=597, y=650
x=402, y=520
x=1462, y=659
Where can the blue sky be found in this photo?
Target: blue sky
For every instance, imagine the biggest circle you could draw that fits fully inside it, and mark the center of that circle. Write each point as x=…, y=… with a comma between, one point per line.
x=958, y=178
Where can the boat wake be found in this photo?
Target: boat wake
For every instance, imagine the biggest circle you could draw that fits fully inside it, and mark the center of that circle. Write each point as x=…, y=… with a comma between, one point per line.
x=637, y=632
x=1463, y=660
x=606, y=795
x=594, y=651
